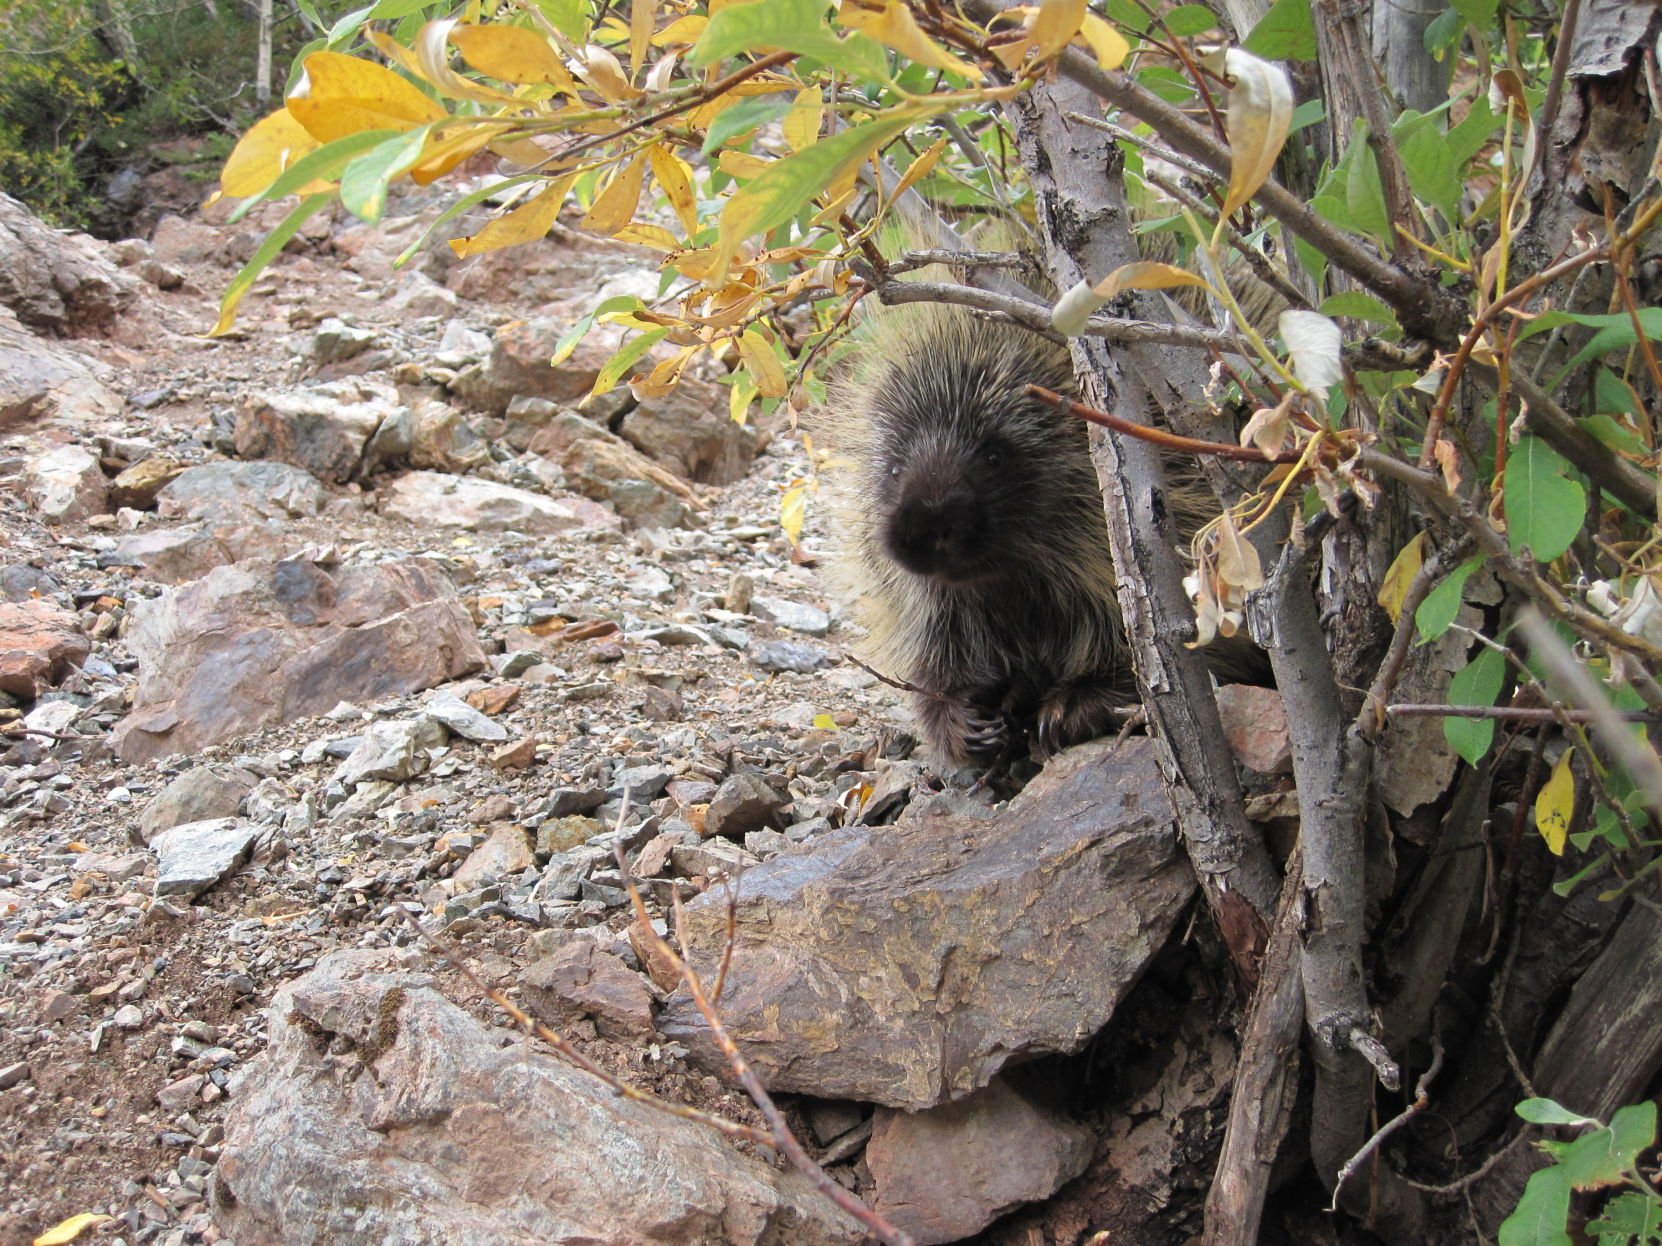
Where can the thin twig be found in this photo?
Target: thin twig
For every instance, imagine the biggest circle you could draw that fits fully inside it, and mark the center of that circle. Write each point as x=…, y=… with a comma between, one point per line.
x=1519, y=714
x=1255, y=259
x=1369, y=719
x=1560, y=68
x=922, y=258
x=564, y=1049
x=1159, y=436
x=783, y=1139
x=1422, y=1100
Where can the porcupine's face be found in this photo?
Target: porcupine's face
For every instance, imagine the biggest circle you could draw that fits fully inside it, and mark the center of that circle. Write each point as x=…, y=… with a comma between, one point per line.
x=963, y=465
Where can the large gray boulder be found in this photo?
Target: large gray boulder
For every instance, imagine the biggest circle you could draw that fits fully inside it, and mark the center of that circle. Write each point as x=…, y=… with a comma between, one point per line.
x=381, y=1112
x=906, y=965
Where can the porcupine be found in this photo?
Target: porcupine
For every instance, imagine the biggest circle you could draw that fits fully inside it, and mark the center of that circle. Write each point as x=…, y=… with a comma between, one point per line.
x=973, y=537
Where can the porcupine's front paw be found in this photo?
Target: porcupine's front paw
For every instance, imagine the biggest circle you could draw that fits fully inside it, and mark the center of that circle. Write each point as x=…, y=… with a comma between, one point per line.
x=964, y=732
x=1076, y=711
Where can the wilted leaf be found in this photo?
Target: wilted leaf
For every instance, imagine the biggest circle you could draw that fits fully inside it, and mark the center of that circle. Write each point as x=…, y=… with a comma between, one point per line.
x=919, y=169
x=1259, y=120
x=1237, y=566
x=643, y=16
x=1147, y=275
x=601, y=70
x=1269, y=427
x=1073, y=310
x=1314, y=342
x=1404, y=567
x=265, y=152
x=1447, y=457
x=648, y=235
x=1555, y=804
x=1545, y=507
x=615, y=206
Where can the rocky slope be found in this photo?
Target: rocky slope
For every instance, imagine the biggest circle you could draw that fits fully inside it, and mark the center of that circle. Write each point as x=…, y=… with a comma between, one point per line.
x=355, y=615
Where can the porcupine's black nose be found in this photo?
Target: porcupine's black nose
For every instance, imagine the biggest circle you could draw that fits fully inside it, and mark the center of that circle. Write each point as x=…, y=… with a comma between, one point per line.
x=939, y=535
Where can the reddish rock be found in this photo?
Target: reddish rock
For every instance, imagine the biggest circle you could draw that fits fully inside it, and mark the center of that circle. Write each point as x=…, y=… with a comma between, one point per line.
x=39, y=645
x=478, y=505
x=689, y=431
x=945, y=1174
x=322, y=428
x=580, y=980
x=1255, y=722
x=507, y=851
x=264, y=642
x=516, y=755
x=56, y=282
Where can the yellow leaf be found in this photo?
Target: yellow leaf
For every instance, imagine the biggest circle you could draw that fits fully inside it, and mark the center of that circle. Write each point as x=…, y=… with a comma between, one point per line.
x=793, y=509
x=340, y=95
x=643, y=16
x=700, y=118
x=644, y=235
x=1058, y=22
x=896, y=28
x=825, y=722
x=801, y=124
x=1555, y=805
x=615, y=206
x=1012, y=54
x=919, y=170
x=526, y=223
x=666, y=375
x=1143, y=275
x=68, y=1230
x=1404, y=567
x=261, y=155
x=742, y=164
x=673, y=176
x=740, y=394
x=1260, y=118
x=1108, y=44
x=683, y=30
x=439, y=158
x=512, y=54
x=600, y=69
x=764, y=366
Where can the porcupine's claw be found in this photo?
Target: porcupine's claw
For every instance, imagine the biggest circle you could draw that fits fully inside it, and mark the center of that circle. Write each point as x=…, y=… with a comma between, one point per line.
x=986, y=738
x=1076, y=711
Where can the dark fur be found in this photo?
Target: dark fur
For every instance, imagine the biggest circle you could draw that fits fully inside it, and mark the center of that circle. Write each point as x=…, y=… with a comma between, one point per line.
x=975, y=538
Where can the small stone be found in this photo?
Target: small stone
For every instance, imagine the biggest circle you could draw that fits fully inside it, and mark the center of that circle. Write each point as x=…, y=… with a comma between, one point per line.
x=193, y=857
x=495, y=699
x=138, y=485
x=393, y=751
x=789, y=656
x=128, y=1017
x=516, y=756
x=464, y=720
x=12, y=1074
x=579, y=979
x=744, y=802
x=791, y=615
x=57, y=1006
x=182, y=1094
x=1255, y=723
x=642, y=783
x=507, y=851
x=561, y=834
x=568, y=800
x=198, y=795
x=740, y=590
x=765, y=844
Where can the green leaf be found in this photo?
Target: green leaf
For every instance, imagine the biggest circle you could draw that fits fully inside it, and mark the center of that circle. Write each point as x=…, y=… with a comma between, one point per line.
x=324, y=164
x=363, y=184
x=1364, y=192
x=1168, y=84
x=1359, y=306
x=1631, y=1219
x=1547, y=1112
x=778, y=194
x=1611, y=393
x=1188, y=20
x=1613, y=433
x=1307, y=114
x=1593, y=1161
x=1614, y=331
x=1285, y=33
x=274, y=242
x=741, y=118
x=619, y=364
x=1633, y=1130
x=793, y=26
x=1480, y=13
x=487, y=191
x=1443, y=32
x=1467, y=139
x=1437, y=612
x=1542, y=1212
x=1478, y=683
x=1545, y=507
x=569, y=339
x=1428, y=159
x=570, y=17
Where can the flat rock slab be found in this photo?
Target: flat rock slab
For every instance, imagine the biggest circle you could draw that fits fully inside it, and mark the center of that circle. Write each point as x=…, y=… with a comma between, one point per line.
x=193, y=857
x=433, y=498
x=945, y=1174
x=241, y=492
x=458, y=1134
x=265, y=642
x=321, y=428
x=906, y=965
